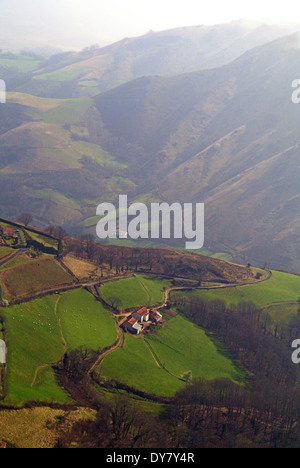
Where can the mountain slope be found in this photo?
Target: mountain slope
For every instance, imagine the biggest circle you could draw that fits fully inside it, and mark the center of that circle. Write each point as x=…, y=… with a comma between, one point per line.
x=165, y=53
x=228, y=137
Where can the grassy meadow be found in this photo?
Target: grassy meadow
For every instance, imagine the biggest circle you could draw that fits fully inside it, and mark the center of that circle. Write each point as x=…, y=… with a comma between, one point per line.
x=181, y=346
x=135, y=366
x=4, y=251
x=84, y=321
x=156, y=364
x=279, y=296
x=281, y=287
x=33, y=340
x=22, y=63
x=137, y=291
x=47, y=241
x=38, y=335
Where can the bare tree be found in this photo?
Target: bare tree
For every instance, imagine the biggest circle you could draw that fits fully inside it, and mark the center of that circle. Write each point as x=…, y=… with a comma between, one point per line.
x=115, y=302
x=26, y=218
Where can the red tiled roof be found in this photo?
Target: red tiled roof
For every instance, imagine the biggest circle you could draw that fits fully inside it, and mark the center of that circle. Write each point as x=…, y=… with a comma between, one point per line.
x=155, y=314
x=9, y=231
x=143, y=311
x=132, y=321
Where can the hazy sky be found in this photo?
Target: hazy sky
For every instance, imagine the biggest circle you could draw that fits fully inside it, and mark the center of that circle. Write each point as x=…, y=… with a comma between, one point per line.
x=76, y=23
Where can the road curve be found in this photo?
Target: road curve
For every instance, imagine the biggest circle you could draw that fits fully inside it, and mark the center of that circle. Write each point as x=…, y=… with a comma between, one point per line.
x=207, y=288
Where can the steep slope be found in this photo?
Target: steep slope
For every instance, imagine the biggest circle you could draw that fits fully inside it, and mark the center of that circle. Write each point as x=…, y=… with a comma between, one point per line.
x=47, y=163
x=228, y=137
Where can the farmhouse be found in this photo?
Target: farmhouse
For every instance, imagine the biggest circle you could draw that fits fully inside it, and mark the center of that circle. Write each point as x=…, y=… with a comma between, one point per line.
x=8, y=232
x=155, y=316
x=132, y=326
x=142, y=315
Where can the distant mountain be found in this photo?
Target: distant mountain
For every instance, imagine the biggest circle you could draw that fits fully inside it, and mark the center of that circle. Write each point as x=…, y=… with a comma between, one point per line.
x=228, y=137
x=166, y=53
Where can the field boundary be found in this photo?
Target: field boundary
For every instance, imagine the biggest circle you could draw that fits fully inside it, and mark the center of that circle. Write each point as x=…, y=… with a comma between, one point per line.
x=110, y=349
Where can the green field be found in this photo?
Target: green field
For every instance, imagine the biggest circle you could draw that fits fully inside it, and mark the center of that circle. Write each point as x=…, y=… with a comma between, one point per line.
x=137, y=291
x=66, y=74
x=134, y=365
x=281, y=287
x=279, y=296
x=68, y=112
x=34, y=339
x=97, y=153
x=181, y=346
x=23, y=63
x=85, y=322
x=55, y=197
x=47, y=241
x=41, y=331
x=178, y=348
x=283, y=313
x=4, y=251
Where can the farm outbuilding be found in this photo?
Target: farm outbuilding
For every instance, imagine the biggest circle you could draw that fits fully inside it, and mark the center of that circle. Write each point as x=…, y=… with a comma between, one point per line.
x=142, y=315
x=132, y=326
x=155, y=316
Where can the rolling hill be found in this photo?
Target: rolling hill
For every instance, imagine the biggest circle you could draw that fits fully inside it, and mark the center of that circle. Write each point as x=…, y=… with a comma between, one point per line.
x=226, y=136
x=166, y=53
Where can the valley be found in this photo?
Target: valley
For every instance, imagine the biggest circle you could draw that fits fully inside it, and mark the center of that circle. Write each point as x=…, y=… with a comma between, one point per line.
x=141, y=343
x=197, y=137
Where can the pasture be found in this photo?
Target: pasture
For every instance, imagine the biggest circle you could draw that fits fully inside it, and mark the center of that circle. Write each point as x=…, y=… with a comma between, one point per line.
x=281, y=287
x=38, y=335
x=135, y=366
x=4, y=251
x=22, y=63
x=137, y=291
x=84, y=321
x=181, y=346
x=68, y=112
x=284, y=312
x=46, y=241
x=156, y=364
x=33, y=340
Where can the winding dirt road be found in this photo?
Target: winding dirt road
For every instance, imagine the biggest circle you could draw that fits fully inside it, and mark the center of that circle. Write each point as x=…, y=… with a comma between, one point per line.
x=208, y=288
